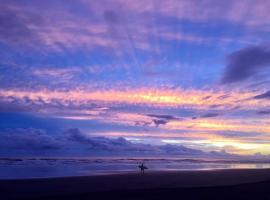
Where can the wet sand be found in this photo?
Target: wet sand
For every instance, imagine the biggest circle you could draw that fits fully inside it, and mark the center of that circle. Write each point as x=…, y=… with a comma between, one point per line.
x=218, y=184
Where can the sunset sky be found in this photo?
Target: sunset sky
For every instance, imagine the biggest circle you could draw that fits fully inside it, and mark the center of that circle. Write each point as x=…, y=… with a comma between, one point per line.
x=182, y=72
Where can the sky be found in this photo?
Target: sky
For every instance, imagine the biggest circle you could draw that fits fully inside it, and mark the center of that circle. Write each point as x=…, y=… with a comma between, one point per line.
x=124, y=75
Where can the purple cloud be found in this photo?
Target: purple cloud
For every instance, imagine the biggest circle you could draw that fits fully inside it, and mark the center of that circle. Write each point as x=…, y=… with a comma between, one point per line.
x=263, y=112
x=30, y=139
x=158, y=122
x=165, y=117
x=122, y=145
x=162, y=119
x=38, y=142
x=265, y=95
x=246, y=63
x=210, y=115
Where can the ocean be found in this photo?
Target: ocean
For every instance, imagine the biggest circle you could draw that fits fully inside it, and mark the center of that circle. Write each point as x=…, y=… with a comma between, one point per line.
x=26, y=168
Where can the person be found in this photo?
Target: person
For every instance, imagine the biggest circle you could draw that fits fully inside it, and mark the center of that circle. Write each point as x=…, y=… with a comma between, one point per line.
x=142, y=168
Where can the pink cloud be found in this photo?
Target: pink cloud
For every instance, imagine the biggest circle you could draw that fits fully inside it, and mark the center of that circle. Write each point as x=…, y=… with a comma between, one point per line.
x=162, y=97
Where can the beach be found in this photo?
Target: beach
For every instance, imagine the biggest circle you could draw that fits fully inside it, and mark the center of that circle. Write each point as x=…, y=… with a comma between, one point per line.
x=208, y=184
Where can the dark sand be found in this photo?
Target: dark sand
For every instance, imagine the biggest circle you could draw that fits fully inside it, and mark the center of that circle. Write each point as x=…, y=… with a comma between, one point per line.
x=219, y=184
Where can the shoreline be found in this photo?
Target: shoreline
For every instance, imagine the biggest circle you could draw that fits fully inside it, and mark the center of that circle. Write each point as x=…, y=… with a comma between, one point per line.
x=127, y=173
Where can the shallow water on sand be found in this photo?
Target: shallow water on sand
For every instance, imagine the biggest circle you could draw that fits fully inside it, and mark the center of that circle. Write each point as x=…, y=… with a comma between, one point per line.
x=21, y=168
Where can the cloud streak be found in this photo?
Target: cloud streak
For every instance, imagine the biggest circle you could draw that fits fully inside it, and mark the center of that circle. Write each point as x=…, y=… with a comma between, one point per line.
x=149, y=96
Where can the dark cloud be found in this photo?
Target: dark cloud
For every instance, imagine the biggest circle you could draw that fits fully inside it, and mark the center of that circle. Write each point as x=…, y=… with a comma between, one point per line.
x=207, y=115
x=142, y=123
x=246, y=62
x=165, y=117
x=265, y=95
x=103, y=143
x=73, y=141
x=210, y=115
x=30, y=139
x=207, y=97
x=162, y=119
x=264, y=112
x=158, y=122
x=121, y=144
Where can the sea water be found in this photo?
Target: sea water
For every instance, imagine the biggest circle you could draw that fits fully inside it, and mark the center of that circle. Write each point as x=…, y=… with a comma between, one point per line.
x=24, y=168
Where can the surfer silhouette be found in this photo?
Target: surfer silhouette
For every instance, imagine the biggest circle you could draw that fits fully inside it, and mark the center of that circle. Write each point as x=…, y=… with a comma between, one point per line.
x=142, y=168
